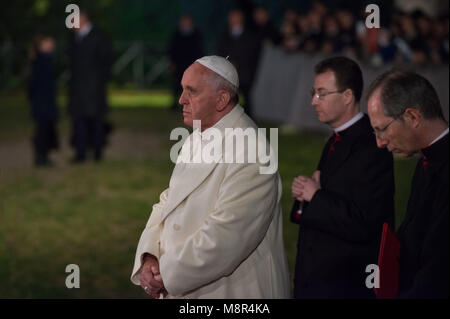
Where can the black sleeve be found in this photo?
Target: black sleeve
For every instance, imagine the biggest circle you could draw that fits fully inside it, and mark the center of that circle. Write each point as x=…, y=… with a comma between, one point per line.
x=431, y=279
x=104, y=55
x=359, y=215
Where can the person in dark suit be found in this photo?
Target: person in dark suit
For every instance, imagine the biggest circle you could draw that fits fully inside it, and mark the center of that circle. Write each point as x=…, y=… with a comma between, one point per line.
x=406, y=115
x=242, y=47
x=90, y=56
x=342, y=208
x=42, y=96
x=185, y=47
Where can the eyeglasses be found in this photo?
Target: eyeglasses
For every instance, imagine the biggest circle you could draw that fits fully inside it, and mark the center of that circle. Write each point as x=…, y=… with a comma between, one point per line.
x=380, y=133
x=321, y=95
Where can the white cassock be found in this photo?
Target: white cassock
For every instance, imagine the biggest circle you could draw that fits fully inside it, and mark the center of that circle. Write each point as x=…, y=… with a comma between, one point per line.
x=217, y=230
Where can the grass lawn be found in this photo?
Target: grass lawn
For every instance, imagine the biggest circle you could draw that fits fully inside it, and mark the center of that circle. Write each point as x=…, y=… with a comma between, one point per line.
x=92, y=215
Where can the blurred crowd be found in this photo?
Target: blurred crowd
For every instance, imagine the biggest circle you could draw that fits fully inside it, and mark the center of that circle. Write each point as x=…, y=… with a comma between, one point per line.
x=407, y=38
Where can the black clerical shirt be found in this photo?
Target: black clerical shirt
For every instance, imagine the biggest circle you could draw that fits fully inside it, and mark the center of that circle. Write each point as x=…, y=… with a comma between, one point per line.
x=423, y=234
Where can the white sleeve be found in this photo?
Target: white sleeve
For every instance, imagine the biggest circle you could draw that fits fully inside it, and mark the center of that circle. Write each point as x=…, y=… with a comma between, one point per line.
x=150, y=237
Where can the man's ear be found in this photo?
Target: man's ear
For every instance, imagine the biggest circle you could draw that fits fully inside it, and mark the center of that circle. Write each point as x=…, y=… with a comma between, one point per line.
x=223, y=98
x=348, y=96
x=413, y=117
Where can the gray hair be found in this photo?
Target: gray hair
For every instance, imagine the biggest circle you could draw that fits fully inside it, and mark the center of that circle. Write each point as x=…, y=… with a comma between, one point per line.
x=401, y=89
x=219, y=83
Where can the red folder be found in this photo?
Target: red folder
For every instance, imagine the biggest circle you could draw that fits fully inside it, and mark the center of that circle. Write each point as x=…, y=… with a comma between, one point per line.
x=388, y=264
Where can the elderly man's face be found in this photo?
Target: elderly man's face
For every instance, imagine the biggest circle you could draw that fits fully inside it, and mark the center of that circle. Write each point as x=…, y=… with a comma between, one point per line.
x=391, y=133
x=199, y=97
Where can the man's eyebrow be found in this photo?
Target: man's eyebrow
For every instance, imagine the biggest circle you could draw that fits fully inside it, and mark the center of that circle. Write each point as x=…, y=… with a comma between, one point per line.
x=190, y=88
x=375, y=127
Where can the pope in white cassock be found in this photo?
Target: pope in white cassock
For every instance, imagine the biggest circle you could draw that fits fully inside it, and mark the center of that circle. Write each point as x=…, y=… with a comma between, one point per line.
x=217, y=230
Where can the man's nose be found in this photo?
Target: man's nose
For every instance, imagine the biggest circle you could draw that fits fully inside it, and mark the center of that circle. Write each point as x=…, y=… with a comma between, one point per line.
x=381, y=142
x=314, y=101
x=182, y=99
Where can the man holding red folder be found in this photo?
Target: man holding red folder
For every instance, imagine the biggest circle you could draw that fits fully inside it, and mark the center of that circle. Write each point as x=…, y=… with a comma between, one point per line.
x=407, y=119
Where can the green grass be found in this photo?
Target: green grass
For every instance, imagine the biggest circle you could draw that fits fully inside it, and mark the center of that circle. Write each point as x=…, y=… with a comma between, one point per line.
x=92, y=215
x=134, y=99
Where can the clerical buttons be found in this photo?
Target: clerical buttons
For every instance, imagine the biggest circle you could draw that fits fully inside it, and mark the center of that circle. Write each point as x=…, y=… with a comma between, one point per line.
x=176, y=227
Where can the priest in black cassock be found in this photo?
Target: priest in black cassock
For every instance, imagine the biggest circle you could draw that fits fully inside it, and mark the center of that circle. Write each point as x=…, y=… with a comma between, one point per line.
x=342, y=208
x=406, y=115
x=90, y=60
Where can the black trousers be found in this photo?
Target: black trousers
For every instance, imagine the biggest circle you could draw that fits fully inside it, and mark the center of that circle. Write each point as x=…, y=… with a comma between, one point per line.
x=88, y=133
x=45, y=139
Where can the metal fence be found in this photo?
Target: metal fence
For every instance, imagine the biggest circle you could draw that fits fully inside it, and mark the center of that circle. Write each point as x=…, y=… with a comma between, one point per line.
x=136, y=64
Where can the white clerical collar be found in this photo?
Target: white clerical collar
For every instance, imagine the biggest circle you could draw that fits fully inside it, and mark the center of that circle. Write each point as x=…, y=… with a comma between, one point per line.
x=236, y=31
x=84, y=30
x=346, y=125
x=439, y=137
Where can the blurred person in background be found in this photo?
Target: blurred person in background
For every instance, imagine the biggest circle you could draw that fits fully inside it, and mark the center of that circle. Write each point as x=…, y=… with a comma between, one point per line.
x=264, y=28
x=330, y=42
x=90, y=55
x=408, y=27
x=242, y=47
x=290, y=16
x=439, y=42
x=320, y=8
x=303, y=27
x=386, y=47
x=429, y=39
x=290, y=37
x=348, y=32
x=42, y=96
x=405, y=40
x=315, y=23
x=184, y=48
x=313, y=40
x=403, y=51
x=420, y=38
